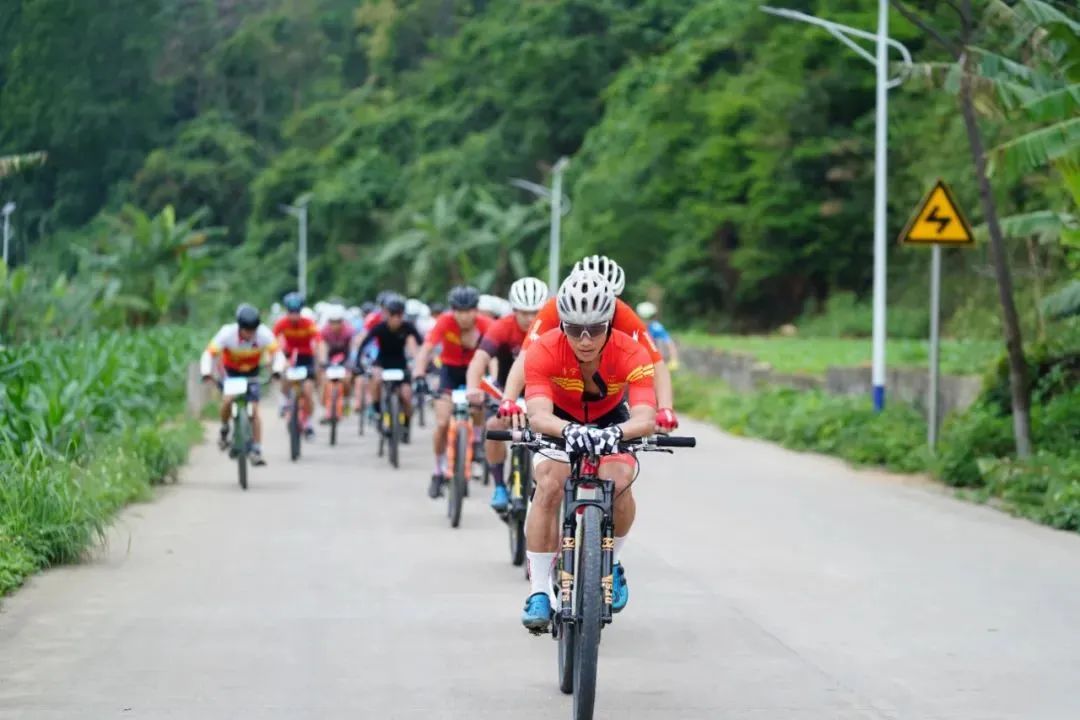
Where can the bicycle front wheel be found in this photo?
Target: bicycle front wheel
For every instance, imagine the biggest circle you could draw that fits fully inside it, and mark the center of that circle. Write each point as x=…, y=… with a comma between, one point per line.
x=240, y=445
x=590, y=601
x=460, y=479
x=395, y=427
x=294, y=427
x=335, y=399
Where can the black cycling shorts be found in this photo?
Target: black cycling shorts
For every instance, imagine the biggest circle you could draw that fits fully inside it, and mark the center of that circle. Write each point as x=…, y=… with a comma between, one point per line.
x=451, y=377
x=620, y=414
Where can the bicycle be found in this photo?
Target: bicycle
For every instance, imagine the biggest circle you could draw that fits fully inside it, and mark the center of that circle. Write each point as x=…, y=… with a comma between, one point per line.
x=240, y=390
x=520, y=488
x=392, y=419
x=334, y=394
x=583, y=579
x=459, y=448
x=296, y=377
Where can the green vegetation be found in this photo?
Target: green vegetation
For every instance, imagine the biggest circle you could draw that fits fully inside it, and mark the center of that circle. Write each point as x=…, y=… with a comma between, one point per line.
x=88, y=424
x=974, y=446
x=815, y=355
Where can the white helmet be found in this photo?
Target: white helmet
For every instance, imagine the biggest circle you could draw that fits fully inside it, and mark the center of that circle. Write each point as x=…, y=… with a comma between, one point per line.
x=416, y=308
x=491, y=305
x=646, y=310
x=335, y=313
x=308, y=313
x=528, y=294
x=585, y=298
x=608, y=268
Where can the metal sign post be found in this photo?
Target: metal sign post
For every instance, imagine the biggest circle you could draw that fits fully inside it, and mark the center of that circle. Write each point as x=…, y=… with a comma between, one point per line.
x=560, y=207
x=299, y=211
x=937, y=221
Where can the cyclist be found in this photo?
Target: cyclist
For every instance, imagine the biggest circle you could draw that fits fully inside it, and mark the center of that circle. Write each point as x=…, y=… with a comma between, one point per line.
x=576, y=379
x=335, y=338
x=397, y=338
x=625, y=320
x=242, y=345
x=503, y=343
x=647, y=312
x=296, y=332
x=458, y=331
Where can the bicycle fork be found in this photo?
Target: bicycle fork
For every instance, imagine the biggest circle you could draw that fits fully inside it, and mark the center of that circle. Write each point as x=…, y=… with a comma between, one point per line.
x=578, y=494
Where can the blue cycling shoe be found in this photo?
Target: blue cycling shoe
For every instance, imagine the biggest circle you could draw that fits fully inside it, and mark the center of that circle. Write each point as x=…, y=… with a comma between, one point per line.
x=500, y=499
x=620, y=591
x=537, y=614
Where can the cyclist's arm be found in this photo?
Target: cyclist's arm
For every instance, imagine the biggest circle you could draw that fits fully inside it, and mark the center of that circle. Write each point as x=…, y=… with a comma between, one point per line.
x=665, y=394
x=412, y=347
x=642, y=422
x=322, y=350
x=673, y=353
x=515, y=381
x=206, y=362
x=477, y=367
x=420, y=365
x=542, y=416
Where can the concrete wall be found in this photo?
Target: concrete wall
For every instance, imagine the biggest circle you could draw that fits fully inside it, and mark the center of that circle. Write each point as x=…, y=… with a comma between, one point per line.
x=745, y=374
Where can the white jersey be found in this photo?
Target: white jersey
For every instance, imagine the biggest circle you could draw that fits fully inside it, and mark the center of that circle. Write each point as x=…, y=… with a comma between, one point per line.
x=239, y=355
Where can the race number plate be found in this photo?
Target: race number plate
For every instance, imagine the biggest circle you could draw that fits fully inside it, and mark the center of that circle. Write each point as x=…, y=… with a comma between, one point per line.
x=393, y=375
x=335, y=372
x=235, y=386
x=296, y=373
x=459, y=397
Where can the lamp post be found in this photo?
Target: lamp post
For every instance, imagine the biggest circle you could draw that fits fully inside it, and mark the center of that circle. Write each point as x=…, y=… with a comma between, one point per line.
x=299, y=211
x=558, y=211
x=843, y=33
x=8, y=209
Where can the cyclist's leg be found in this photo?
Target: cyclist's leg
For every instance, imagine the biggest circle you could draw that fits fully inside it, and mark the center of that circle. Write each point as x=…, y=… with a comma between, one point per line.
x=621, y=469
x=358, y=389
x=495, y=450
x=375, y=386
x=443, y=409
x=542, y=538
x=406, y=392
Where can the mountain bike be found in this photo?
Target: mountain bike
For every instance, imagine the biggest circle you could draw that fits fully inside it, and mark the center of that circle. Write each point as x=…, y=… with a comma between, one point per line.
x=520, y=488
x=242, y=391
x=334, y=394
x=297, y=419
x=392, y=419
x=583, y=578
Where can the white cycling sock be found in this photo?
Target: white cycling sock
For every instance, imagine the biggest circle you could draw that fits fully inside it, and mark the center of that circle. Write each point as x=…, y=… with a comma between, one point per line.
x=619, y=542
x=442, y=464
x=540, y=566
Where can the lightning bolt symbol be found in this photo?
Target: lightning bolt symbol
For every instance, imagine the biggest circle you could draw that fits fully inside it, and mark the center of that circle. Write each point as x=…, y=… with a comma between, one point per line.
x=943, y=222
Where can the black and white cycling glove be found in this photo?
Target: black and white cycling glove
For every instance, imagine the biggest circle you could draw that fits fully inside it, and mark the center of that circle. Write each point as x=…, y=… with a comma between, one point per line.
x=605, y=441
x=578, y=439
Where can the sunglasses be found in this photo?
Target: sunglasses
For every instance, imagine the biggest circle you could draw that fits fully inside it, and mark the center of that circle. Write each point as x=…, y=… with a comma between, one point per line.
x=577, y=332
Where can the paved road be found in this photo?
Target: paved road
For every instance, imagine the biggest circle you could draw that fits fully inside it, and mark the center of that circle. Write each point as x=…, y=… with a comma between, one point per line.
x=765, y=584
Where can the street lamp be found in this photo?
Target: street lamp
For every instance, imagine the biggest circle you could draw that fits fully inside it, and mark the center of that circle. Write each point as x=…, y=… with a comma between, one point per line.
x=883, y=41
x=8, y=209
x=555, y=195
x=299, y=211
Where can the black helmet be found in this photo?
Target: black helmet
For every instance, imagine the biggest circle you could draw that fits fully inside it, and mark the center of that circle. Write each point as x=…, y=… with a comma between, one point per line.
x=464, y=297
x=247, y=317
x=394, y=304
x=293, y=302
x=366, y=307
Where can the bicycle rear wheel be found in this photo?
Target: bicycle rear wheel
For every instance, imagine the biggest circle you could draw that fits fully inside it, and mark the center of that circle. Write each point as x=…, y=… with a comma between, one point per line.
x=460, y=479
x=589, y=607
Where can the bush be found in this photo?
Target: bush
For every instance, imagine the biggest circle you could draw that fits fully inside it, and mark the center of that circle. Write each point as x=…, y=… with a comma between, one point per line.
x=844, y=315
x=1045, y=488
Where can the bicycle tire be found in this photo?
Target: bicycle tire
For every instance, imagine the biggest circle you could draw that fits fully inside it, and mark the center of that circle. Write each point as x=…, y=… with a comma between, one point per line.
x=395, y=428
x=361, y=414
x=516, y=522
x=589, y=611
x=334, y=396
x=460, y=478
x=240, y=444
x=420, y=398
x=567, y=637
x=294, y=427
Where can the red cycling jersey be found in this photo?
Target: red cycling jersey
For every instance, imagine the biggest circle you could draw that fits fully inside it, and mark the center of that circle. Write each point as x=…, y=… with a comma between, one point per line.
x=552, y=371
x=625, y=320
x=299, y=335
x=457, y=347
x=503, y=341
x=337, y=340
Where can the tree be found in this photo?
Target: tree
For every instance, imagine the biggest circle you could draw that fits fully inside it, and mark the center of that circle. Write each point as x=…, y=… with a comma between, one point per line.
x=962, y=49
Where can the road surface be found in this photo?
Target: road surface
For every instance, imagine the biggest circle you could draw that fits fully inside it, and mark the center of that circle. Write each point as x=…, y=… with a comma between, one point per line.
x=764, y=584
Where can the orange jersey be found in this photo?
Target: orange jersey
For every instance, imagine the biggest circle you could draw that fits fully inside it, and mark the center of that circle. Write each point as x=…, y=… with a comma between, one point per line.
x=552, y=371
x=457, y=347
x=299, y=335
x=625, y=320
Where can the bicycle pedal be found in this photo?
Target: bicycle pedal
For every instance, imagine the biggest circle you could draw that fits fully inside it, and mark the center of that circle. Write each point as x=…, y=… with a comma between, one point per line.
x=539, y=632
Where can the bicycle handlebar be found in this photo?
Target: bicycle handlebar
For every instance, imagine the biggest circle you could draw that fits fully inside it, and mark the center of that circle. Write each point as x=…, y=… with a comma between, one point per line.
x=527, y=437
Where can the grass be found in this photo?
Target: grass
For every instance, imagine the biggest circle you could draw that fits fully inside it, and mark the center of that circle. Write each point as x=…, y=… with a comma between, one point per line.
x=815, y=355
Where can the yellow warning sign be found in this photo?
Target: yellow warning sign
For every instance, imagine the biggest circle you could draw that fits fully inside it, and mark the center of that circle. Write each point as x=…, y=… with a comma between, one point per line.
x=938, y=221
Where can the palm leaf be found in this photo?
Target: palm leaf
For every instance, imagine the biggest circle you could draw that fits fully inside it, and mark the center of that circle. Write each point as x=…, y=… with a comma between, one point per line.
x=408, y=242
x=11, y=164
x=1063, y=303
x=1044, y=223
x=1038, y=148
x=1055, y=105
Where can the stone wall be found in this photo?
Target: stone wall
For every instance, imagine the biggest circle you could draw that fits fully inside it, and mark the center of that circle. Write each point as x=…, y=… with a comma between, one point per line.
x=744, y=373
